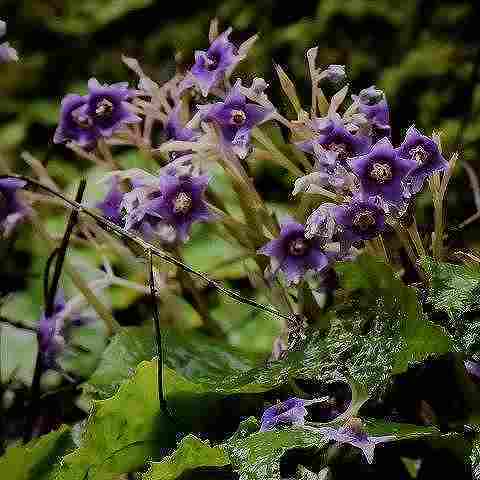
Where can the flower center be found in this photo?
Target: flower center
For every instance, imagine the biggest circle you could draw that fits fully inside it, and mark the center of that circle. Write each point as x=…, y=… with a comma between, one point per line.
x=104, y=108
x=298, y=247
x=419, y=154
x=364, y=220
x=381, y=172
x=355, y=425
x=182, y=203
x=238, y=118
x=211, y=62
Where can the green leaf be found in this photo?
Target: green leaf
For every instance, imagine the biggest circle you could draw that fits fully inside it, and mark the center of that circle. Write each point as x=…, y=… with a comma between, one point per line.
x=454, y=289
x=257, y=457
x=402, y=431
x=18, y=351
x=192, y=354
x=123, y=432
x=475, y=458
x=36, y=459
x=382, y=327
x=191, y=453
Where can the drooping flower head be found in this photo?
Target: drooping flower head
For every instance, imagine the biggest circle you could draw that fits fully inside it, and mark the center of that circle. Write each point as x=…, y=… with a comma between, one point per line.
x=426, y=155
x=353, y=434
x=211, y=66
x=360, y=219
x=332, y=136
x=236, y=117
x=382, y=171
x=334, y=74
x=107, y=107
x=177, y=201
x=110, y=206
x=176, y=130
x=75, y=125
x=53, y=332
x=12, y=209
x=293, y=253
x=373, y=104
x=289, y=412
x=7, y=53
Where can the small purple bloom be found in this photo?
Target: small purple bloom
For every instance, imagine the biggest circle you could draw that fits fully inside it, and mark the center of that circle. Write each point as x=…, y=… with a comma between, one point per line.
x=111, y=204
x=53, y=332
x=211, y=66
x=107, y=107
x=295, y=254
x=236, y=117
x=382, y=172
x=372, y=103
x=353, y=434
x=332, y=136
x=335, y=74
x=473, y=368
x=12, y=210
x=426, y=155
x=289, y=412
x=177, y=201
x=74, y=124
x=7, y=53
x=360, y=219
x=175, y=130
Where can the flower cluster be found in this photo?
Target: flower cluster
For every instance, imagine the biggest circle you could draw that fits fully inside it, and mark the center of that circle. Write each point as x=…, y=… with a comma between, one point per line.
x=7, y=53
x=99, y=114
x=163, y=206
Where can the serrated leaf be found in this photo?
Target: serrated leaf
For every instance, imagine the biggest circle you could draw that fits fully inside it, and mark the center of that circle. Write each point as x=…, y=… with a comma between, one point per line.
x=257, y=457
x=383, y=327
x=123, y=432
x=453, y=289
x=191, y=453
x=36, y=459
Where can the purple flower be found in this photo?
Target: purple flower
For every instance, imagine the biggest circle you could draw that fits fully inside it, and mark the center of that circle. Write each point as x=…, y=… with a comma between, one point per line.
x=353, y=434
x=335, y=74
x=293, y=253
x=473, y=368
x=426, y=155
x=372, y=103
x=382, y=171
x=84, y=119
x=53, y=332
x=175, y=130
x=236, y=118
x=111, y=204
x=332, y=136
x=360, y=219
x=7, y=53
x=176, y=201
x=74, y=124
x=12, y=210
x=107, y=107
x=211, y=66
x=289, y=412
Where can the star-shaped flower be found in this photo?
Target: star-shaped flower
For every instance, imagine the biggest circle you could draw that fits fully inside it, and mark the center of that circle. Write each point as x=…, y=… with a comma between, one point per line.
x=236, y=118
x=427, y=157
x=382, y=172
x=294, y=254
x=353, y=434
x=12, y=209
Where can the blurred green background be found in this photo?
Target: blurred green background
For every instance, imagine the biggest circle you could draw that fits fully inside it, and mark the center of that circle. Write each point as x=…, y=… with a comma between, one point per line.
x=422, y=53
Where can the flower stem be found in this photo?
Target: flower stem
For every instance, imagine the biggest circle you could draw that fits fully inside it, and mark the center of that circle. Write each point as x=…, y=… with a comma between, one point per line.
x=416, y=239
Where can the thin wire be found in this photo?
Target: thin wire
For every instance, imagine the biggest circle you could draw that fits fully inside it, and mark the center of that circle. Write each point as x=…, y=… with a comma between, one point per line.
x=158, y=335
x=154, y=250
